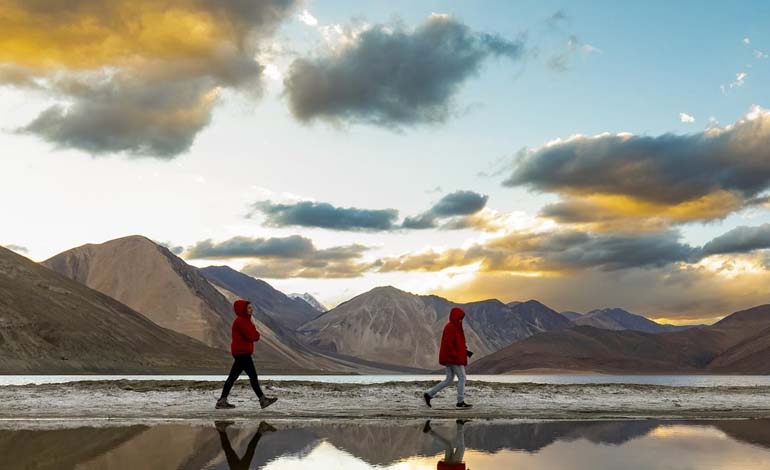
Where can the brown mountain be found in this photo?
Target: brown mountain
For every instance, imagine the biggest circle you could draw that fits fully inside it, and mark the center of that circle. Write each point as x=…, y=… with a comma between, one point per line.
x=285, y=310
x=395, y=327
x=619, y=319
x=50, y=324
x=150, y=279
x=735, y=344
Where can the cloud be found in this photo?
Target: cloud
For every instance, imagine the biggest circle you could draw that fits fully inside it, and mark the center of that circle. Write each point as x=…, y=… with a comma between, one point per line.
x=458, y=206
x=746, y=41
x=740, y=80
x=307, y=18
x=760, y=55
x=17, y=248
x=292, y=256
x=692, y=294
x=684, y=117
x=176, y=249
x=244, y=247
x=553, y=252
x=131, y=115
x=143, y=87
x=677, y=178
x=458, y=203
x=325, y=215
x=740, y=240
x=561, y=61
x=558, y=19
x=391, y=77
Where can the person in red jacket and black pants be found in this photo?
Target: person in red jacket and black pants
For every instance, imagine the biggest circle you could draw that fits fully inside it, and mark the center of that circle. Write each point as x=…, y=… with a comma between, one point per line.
x=245, y=334
x=454, y=356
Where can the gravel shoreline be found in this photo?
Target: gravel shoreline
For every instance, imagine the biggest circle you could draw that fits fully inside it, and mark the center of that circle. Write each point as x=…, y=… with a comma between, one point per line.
x=129, y=399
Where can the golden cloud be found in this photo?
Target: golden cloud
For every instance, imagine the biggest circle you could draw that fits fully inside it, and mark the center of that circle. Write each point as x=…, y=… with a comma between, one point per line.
x=138, y=77
x=85, y=34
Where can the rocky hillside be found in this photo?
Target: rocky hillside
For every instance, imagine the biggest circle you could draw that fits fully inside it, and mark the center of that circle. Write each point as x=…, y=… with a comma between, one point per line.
x=50, y=324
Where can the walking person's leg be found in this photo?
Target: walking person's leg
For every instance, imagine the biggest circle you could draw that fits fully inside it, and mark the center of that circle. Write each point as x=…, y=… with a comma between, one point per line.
x=443, y=442
x=232, y=458
x=444, y=383
x=235, y=372
x=251, y=371
x=248, y=366
x=459, y=454
x=459, y=371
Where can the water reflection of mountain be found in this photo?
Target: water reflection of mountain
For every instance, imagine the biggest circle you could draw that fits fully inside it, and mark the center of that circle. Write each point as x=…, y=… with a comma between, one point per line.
x=377, y=443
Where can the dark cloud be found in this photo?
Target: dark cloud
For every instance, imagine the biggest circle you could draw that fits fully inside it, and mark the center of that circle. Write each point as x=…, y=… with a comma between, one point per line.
x=557, y=251
x=293, y=246
x=143, y=88
x=130, y=115
x=739, y=240
x=293, y=256
x=700, y=176
x=667, y=169
x=325, y=215
x=458, y=203
x=392, y=77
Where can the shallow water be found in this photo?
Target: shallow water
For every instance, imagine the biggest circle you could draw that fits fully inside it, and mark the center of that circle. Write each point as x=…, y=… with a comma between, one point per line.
x=666, y=380
x=639, y=444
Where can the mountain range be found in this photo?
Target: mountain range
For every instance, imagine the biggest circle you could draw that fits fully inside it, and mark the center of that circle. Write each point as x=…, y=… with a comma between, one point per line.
x=739, y=343
x=619, y=319
x=383, y=330
x=394, y=327
x=150, y=279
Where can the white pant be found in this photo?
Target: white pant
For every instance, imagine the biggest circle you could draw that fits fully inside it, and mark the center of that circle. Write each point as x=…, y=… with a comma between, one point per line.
x=451, y=371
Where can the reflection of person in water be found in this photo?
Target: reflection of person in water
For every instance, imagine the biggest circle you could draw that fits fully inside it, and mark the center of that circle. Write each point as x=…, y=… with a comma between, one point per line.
x=232, y=458
x=453, y=452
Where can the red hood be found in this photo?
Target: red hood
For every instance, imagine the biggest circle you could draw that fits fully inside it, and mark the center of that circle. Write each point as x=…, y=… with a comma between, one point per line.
x=240, y=307
x=456, y=316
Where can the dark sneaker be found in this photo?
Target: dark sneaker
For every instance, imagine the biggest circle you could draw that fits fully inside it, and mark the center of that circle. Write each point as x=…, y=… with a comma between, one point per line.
x=223, y=405
x=427, y=399
x=426, y=428
x=462, y=404
x=264, y=402
x=265, y=427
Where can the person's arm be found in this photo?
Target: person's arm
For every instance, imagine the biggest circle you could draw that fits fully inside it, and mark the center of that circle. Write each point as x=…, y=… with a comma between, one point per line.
x=460, y=347
x=248, y=331
x=449, y=339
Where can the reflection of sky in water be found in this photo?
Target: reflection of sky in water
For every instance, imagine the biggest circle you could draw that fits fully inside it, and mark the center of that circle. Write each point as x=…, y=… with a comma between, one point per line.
x=411, y=445
x=666, y=447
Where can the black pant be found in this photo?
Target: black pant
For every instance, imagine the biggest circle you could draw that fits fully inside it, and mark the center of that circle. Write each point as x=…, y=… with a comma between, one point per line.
x=233, y=461
x=242, y=363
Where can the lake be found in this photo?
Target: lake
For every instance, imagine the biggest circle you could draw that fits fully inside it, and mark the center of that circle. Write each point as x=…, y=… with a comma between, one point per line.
x=413, y=444
x=665, y=380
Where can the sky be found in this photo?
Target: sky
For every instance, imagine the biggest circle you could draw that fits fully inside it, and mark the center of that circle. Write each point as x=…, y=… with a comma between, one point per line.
x=585, y=154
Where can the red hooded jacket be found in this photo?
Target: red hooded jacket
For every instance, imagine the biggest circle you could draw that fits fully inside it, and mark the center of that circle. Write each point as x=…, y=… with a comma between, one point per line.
x=453, y=349
x=245, y=334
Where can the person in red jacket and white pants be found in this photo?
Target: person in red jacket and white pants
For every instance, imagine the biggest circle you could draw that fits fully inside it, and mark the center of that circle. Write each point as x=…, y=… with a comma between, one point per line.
x=245, y=334
x=453, y=355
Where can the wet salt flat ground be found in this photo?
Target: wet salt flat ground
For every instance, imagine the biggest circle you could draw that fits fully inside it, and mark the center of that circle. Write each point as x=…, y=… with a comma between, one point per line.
x=665, y=380
x=390, y=444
